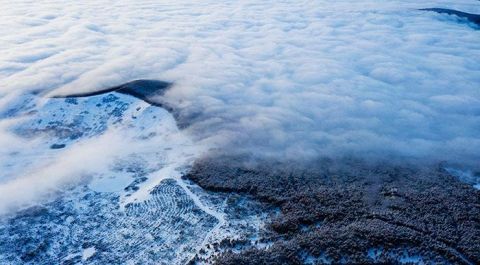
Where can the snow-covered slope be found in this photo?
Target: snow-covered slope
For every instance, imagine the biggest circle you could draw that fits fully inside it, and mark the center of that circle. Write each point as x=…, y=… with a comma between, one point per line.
x=110, y=140
x=100, y=183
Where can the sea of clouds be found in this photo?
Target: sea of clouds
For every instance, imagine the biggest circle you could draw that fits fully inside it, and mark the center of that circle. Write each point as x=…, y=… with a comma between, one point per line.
x=286, y=79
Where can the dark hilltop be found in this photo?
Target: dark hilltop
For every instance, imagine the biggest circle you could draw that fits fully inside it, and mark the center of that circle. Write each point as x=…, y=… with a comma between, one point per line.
x=473, y=18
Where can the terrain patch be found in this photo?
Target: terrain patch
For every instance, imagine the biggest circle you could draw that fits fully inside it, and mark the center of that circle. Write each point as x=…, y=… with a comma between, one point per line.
x=340, y=211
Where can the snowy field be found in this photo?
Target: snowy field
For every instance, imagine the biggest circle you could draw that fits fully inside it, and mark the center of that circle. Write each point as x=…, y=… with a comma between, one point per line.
x=293, y=80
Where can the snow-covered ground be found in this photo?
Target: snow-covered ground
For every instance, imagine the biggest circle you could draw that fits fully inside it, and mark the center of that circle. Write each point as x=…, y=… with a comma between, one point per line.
x=100, y=182
x=109, y=140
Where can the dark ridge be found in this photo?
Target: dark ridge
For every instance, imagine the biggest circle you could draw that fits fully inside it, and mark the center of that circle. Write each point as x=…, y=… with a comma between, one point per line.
x=474, y=18
x=146, y=90
x=343, y=209
x=142, y=89
x=57, y=146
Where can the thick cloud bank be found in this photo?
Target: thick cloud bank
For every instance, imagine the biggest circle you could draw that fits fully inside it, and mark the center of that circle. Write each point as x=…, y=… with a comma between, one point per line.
x=295, y=79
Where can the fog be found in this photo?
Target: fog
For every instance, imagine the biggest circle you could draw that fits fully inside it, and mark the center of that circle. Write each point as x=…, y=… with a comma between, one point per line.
x=295, y=80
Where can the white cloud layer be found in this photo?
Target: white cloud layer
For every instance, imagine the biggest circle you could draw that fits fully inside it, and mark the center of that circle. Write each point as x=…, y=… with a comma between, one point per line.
x=294, y=79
